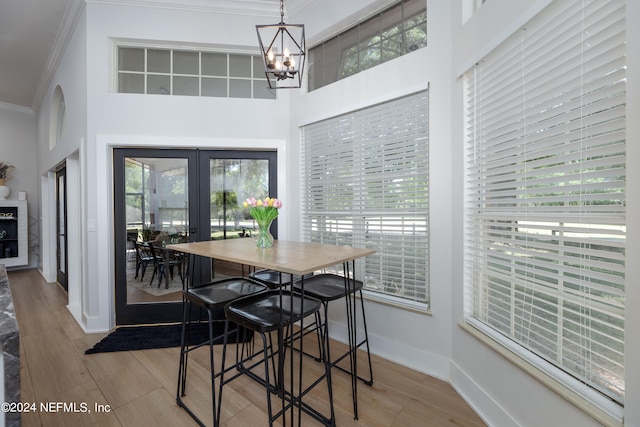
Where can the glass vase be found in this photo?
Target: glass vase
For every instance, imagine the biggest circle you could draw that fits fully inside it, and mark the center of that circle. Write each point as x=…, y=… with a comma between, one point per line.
x=265, y=239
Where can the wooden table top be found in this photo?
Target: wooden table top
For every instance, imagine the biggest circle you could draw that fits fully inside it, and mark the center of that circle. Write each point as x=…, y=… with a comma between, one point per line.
x=297, y=258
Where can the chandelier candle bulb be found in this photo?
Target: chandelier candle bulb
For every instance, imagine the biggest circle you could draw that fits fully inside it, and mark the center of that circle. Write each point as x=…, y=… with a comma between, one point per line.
x=270, y=59
x=287, y=61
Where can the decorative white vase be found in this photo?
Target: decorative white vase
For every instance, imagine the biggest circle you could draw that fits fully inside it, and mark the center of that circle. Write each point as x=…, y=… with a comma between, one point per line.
x=4, y=192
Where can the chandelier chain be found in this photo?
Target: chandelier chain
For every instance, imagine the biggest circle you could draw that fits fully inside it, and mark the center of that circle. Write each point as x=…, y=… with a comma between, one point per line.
x=282, y=11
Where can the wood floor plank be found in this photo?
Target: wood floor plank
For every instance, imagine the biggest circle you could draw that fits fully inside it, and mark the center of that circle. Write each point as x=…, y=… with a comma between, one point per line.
x=30, y=303
x=53, y=364
x=157, y=408
x=28, y=419
x=121, y=377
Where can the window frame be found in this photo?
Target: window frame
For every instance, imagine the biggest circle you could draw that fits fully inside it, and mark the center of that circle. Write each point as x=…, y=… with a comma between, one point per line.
x=516, y=72
x=321, y=73
x=253, y=75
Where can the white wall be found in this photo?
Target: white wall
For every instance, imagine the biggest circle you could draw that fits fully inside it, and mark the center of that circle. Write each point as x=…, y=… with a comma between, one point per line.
x=70, y=76
x=18, y=148
x=500, y=391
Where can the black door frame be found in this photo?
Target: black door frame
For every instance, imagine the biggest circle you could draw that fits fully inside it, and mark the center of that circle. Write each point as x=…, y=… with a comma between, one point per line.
x=199, y=217
x=61, y=277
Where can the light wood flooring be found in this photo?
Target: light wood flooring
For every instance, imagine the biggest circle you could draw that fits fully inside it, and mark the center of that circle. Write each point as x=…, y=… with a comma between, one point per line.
x=139, y=386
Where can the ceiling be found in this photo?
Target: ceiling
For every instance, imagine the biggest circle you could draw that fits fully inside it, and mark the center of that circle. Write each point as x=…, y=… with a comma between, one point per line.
x=28, y=30
x=33, y=34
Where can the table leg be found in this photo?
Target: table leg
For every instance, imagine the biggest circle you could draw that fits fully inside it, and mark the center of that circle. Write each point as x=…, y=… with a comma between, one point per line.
x=351, y=332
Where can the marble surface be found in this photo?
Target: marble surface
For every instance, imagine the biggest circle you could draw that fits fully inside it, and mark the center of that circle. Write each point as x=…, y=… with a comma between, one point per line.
x=10, y=345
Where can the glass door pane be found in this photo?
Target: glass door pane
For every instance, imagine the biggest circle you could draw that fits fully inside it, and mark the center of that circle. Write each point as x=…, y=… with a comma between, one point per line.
x=231, y=182
x=157, y=213
x=61, y=225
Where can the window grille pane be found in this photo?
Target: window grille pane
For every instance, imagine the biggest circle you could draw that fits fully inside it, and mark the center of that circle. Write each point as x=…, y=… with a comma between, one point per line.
x=214, y=87
x=214, y=64
x=158, y=85
x=186, y=62
x=130, y=59
x=415, y=25
x=239, y=66
x=131, y=83
x=186, y=86
x=349, y=47
x=392, y=43
x=545, y=190
x=240, y=88
x=158, y=61
x=369, y=43
x=366, y=185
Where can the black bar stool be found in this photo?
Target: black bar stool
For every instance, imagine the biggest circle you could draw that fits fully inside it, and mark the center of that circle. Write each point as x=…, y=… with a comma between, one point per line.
x=273, y=279
x=211, y=297
x=331, y=287
x=269, y=311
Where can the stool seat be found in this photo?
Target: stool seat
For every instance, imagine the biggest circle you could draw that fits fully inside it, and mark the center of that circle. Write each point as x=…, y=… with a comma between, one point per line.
x=221, y=292
x=268, y=311
x=271, y=278
x=326, y=287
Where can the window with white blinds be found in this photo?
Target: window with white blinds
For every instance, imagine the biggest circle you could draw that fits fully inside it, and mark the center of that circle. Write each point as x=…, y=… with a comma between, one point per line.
x=365, y=184
x=545, y=192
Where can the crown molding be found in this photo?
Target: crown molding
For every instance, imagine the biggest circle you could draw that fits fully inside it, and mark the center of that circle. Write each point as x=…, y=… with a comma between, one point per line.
x=267, y=8
x=69, y=21
x=18, y=108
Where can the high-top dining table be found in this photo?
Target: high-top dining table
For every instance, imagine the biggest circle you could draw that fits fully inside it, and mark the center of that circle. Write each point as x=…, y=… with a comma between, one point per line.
x=295, y=258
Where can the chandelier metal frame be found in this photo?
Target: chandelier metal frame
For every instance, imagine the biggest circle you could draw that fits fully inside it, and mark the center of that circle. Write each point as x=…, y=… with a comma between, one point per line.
x=283, y=52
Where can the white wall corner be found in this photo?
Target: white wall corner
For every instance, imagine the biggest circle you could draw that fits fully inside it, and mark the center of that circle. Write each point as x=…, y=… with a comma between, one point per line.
x=398, y=352
x=486, y=408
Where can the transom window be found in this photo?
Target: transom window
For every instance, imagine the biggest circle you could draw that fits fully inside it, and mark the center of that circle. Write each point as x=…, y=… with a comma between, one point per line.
x=156, y=71
x=394, y=32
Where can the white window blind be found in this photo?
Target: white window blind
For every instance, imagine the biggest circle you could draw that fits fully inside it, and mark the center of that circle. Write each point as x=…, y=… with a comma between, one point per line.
x=545, y=191
x=365, y=184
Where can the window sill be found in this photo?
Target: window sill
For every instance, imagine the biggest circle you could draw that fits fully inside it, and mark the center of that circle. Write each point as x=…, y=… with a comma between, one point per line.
x=416, y=307
x=609, y=413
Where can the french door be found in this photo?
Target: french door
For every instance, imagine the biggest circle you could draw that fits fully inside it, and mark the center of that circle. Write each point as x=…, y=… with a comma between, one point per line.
x=166, y=196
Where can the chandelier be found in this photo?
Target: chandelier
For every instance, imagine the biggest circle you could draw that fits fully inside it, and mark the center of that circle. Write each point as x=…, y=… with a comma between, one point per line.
x=283, y=52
